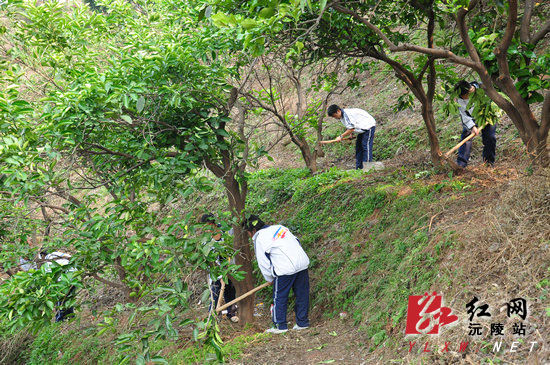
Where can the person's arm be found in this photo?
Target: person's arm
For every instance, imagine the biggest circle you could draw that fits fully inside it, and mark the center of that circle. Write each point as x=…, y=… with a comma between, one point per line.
x=263, y=262
x=344, y=135
x=339, y=138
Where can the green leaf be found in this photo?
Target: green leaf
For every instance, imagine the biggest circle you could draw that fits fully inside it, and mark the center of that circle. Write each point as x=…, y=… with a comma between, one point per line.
x=126, y=118
x=248, y=23
x=159, y=360
x=220, y=20
x=140, y=104
x=201, y=14
x=266, y=13
x=20, y=103
x=222, y=132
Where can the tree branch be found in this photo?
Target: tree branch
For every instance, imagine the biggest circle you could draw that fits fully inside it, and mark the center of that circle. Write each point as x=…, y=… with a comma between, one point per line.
x=463, y=30
x=109, y=282
x=216, y=169
x=435, y=52
x=47, y=219
x=53, y=207
x=338, y=7
x=316, y=23
x=68, y=197
x=537, y=37
x=109, y=151
x=545, y=115
x=524, y=34
x=510, y=28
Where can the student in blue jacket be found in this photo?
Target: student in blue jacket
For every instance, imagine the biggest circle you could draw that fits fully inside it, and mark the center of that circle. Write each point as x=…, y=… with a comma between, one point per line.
x=284, y=263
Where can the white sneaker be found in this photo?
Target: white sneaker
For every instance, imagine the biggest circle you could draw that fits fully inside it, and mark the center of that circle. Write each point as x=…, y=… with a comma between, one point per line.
x=377, y=166
x=298, y=328
x=234, y=319
x=275, y=330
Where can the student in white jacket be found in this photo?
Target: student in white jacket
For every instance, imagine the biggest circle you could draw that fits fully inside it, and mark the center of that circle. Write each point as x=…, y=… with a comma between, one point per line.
x=358, y=121
x=62, y=259
x=284, y=263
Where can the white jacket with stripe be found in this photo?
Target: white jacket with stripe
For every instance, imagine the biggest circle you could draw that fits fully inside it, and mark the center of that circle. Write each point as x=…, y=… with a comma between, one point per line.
x=279, y=252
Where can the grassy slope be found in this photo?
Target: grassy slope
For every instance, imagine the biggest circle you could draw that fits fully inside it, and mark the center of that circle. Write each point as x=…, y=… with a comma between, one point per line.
x=366, y=238
x=377, y=238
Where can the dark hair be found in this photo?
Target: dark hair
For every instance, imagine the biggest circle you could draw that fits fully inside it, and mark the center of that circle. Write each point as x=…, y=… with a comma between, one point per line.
x=332, y=109
x=208, y=218
x=463, y=87
x=253, y=223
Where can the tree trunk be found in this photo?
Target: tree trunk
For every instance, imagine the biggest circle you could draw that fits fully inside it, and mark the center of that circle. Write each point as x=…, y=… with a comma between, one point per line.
x=541, y=154
x=425, y=100
x=427, y=103
x=309, y=158
x=236, y=195
x=244, y=258
x=542, y=149
x=429, y=121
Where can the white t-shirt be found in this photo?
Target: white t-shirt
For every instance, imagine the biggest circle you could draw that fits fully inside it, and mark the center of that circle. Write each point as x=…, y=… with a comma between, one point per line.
x=466, y=114
x=61, y=258
x=357, y=119
x=26, y=265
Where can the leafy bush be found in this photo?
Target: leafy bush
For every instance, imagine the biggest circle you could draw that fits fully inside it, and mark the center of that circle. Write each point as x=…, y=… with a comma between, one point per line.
x=27, y=298
x=269, y=189
x=55, y=345
x=232, y=349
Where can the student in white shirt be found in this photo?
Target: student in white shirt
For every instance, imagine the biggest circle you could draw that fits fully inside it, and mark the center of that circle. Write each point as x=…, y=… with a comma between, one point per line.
x=62, y=259
x=358, y=121
x=215, y=284
x=469, y=126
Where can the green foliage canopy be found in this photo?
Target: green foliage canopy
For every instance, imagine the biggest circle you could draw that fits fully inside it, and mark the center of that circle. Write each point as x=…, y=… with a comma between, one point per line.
x=107, y=116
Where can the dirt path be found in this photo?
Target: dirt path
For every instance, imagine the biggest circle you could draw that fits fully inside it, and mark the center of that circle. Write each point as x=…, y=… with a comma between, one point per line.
x=333, y=341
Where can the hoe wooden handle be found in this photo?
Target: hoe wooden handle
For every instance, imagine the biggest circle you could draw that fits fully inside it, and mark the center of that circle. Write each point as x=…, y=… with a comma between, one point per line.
x=334, y=140
x=462, y=142
x=220, y=296
x=226, y=305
